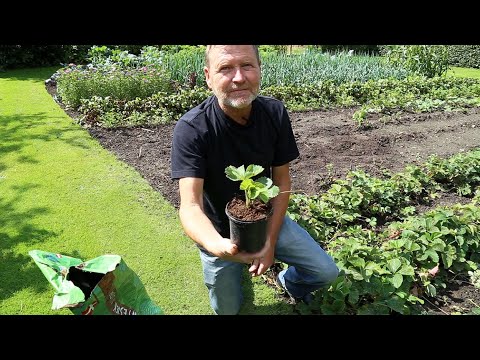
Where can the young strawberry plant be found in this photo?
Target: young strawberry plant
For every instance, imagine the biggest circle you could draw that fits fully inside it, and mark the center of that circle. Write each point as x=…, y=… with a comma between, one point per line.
x=248, y=219
x=262, y=188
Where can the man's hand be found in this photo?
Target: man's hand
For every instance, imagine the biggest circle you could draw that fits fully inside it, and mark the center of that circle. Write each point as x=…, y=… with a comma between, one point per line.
x=259, y=261
x=263, y=261
x=224, y=249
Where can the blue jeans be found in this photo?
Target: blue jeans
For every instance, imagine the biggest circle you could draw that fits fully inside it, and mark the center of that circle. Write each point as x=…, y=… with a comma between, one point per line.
x=310, y=268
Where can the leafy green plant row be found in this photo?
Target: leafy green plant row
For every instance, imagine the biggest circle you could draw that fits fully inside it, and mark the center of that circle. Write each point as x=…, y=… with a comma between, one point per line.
x=389, y=256
x=160, y=108
x=459, y=173
x=126, y=76
x=384, y=95
x=391, y=271
x=313, y=68
x=368, y=201
x=278, y=68
x=75, y=84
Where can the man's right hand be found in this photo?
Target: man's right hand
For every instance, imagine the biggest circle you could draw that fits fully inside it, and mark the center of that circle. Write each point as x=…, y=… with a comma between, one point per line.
x=227, y=250
x=224, y=249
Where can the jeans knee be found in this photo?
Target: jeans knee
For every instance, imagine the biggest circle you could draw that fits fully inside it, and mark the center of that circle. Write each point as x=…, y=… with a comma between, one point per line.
x=327, y=274
x=225, y=301
x=231, y=309
x=331, y=274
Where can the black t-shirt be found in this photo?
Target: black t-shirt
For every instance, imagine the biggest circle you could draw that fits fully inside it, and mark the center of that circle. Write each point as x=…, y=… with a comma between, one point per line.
x=206, y=141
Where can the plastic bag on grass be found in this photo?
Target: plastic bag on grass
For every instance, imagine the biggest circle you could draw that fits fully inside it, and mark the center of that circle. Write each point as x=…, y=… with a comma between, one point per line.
x=101, y=286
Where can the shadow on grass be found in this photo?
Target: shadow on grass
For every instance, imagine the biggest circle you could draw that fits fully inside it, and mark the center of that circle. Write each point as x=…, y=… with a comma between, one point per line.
x=249, y=308
x=16, y=268
x=17, y=223
x=34, y=74
x=16, y=133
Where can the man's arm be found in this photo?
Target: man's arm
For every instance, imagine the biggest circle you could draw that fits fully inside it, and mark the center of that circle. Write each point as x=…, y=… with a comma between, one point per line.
x=199, y=227
x=281, y=178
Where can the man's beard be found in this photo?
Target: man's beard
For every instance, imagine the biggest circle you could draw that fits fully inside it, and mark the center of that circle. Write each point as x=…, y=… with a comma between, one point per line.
x=240, y=103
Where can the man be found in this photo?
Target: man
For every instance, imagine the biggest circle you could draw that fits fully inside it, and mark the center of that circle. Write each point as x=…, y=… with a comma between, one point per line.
x=237, y=127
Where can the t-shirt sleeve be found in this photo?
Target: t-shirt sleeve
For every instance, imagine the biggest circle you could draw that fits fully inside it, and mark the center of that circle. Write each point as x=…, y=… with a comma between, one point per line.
x=286, y=148
x=188, y=151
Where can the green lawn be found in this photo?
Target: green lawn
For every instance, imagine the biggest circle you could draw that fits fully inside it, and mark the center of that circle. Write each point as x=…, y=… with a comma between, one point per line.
x=464, y=72
x=61, y=192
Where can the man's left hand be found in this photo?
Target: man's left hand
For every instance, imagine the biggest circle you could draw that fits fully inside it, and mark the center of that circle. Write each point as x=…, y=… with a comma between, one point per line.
x=261, y=264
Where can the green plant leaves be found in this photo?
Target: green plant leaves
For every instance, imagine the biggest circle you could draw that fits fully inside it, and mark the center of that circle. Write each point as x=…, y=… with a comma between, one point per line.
x=394, y=265
x=235, y=174
x=262, y=188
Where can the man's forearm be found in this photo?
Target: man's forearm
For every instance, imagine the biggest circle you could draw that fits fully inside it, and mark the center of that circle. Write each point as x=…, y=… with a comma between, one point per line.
x=198, y=226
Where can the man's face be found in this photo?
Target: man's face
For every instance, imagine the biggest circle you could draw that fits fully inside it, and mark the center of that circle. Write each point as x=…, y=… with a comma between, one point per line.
x=233, y=74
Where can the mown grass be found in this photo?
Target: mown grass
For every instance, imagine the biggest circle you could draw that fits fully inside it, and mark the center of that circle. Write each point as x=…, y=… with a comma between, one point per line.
x=464, y=72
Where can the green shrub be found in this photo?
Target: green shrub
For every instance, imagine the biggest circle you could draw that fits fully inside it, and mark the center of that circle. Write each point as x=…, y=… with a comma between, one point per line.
x=464, y=56
x=23, y=56
x=424, y=60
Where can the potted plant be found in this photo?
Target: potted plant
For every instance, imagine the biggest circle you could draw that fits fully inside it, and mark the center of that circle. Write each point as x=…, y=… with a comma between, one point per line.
x=248, y=215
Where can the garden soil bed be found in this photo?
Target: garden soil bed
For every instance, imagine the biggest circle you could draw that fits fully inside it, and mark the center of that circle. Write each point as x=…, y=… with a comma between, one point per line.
x=331, y=144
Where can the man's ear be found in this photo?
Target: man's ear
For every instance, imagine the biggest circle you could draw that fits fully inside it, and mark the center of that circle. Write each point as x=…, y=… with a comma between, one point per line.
x=207, y=76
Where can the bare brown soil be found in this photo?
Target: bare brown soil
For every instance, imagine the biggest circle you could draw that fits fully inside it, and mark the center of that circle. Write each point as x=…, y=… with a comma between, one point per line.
x=331, y=144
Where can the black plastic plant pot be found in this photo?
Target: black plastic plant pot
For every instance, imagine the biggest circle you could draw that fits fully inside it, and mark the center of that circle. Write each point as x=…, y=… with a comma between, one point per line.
x=249, y=236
